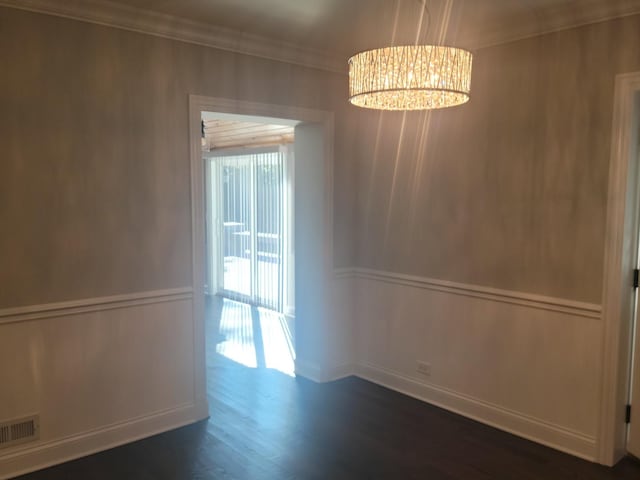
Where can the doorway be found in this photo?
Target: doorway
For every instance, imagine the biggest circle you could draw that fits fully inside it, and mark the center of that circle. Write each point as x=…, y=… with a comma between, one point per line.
x=249, y=211
x=310, y=257
x=249, y=186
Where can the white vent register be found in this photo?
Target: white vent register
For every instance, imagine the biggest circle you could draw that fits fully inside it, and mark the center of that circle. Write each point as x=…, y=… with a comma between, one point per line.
x=22, y=430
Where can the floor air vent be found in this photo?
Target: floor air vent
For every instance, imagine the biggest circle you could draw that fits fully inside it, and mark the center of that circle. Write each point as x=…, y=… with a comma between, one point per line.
x=19, y=431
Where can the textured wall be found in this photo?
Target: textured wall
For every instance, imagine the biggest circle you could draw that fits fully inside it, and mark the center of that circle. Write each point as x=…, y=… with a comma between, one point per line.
x=508, y=191
x=94, y=175
x=95, y=201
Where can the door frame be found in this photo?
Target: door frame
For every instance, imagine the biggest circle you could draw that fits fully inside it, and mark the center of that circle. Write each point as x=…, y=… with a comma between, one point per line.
x=620, y=258
x=212, y=236
x=197, y=105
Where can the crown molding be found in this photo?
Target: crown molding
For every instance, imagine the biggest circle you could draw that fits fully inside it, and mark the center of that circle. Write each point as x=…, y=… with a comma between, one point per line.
x=549, y=20
x=111, y=14
x=481, y=35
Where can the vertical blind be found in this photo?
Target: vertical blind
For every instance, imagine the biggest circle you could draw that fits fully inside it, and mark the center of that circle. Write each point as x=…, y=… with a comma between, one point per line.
x=255, y=227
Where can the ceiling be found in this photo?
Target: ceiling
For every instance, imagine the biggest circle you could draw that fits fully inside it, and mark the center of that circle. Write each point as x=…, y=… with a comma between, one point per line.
x=221, y=133
x=348, y=26
x=324, y=33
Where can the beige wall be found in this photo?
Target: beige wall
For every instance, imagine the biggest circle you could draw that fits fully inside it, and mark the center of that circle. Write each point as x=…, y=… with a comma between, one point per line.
x=509, y=190
x=95, y=201
x=94, y=178
x=470, y=219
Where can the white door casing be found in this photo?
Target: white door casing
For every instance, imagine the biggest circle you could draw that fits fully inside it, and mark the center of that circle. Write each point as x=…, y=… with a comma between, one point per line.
x=620, y=259
x=315, y=165
x=633, y=441
x=633, y=432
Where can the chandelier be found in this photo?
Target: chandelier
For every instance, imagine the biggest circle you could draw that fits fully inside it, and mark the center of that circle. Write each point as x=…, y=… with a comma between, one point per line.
x=410, y=77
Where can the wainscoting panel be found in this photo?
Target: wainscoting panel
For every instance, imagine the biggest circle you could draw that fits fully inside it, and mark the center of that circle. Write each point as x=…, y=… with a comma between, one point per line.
x=98, y=372
x=527, y=365
x=335, y=341
x=341, y=340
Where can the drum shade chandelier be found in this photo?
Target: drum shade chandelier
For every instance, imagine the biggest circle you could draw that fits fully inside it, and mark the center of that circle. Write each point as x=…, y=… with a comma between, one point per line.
x=410, y=77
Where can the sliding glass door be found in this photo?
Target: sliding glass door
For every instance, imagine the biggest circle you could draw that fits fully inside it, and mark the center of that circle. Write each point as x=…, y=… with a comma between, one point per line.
x=253, y=225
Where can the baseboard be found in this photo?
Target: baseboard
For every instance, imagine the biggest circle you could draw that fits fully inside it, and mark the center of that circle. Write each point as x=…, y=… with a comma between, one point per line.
x=318, y=374
x=554, y=436
x=37, y=457
x=336, y=372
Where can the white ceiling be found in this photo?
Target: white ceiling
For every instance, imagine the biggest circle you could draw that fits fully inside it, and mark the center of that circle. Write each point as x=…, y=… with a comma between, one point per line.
x=348, y=26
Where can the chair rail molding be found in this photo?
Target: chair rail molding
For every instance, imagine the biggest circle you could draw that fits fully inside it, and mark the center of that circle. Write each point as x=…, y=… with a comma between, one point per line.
x=99, y=353
x=86, y=305
x=531, y=300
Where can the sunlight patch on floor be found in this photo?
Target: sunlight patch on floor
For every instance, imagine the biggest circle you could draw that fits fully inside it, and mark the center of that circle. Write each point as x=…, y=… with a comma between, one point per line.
x=255, y=337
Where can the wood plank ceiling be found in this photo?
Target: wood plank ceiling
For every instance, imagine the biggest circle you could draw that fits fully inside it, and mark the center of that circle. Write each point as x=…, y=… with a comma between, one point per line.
x=219, y=134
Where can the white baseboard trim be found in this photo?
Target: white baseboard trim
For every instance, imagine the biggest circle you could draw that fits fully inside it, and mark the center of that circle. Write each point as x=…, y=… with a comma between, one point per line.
x=554, y=436
x=307, y=370
x=29, y=459
x=338, y=371
x=317, y=374
x=525, y=299
x=85, y=305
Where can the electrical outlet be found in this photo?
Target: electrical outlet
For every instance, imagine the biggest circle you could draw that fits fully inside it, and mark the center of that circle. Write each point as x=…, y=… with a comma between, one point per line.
x=424, y=368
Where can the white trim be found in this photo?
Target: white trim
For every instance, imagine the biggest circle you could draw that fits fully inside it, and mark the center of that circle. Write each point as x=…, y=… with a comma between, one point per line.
x=198, y=104
x=240, y=151
x=553, y=19
x=546, y=433
x=256, y=109
x=541, y=302
x=308, y=371
x=619, y=260
x=322, y=375
x=338, y=372
x=74, y=307
x=556, y=436
x=35, y=457
x=125, y=17
x=198, y=253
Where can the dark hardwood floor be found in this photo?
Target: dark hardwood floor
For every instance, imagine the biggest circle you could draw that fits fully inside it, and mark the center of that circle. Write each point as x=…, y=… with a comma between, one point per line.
x=267, y=425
